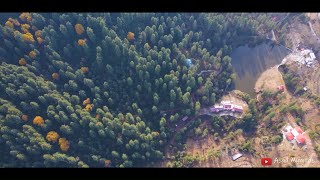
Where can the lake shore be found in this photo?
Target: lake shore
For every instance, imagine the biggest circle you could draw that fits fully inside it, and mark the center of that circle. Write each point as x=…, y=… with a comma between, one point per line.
x=249, y=63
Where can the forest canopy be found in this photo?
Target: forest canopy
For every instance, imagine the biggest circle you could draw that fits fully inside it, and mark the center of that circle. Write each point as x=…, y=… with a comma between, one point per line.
x=91, y=89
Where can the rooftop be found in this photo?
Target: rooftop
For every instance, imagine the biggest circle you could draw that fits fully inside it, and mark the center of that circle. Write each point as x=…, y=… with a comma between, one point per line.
x=306, y=57
x=300, y=139
x=237, y=156
x=289, y=136
x=294, y=134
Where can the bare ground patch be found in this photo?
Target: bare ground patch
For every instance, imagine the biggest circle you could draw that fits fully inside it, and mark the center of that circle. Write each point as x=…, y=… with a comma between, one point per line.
x=269, y=80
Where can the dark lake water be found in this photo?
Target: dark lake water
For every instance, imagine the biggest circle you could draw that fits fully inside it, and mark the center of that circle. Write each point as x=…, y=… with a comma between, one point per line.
x=250, y=62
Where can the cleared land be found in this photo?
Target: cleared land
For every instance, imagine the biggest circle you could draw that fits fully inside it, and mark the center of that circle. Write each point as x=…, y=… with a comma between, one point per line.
x=270, y=80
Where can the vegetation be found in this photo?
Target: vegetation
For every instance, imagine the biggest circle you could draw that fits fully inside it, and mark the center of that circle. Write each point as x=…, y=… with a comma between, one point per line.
x=317, y=148
x=247, y=147
x=250, y=119
x=314, y=136
x=89, y=90
x=292, y=81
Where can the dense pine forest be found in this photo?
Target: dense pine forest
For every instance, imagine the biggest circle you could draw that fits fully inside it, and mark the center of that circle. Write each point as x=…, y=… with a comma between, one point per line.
x=105, y=89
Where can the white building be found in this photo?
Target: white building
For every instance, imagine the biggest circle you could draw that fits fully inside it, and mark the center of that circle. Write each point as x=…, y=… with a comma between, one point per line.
x=312, y=55
x=306, y=57
x=237, y=156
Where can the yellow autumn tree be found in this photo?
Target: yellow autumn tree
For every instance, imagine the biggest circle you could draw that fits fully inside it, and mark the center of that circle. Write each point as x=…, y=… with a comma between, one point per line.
x=86, y=101
x=84, y=69
x=81, y=42
x=37, y=33
x=107, y=163
x=22, y=62
x=64, y=144
x=24, y=117
x=25, y=28
x=28, y=37
x=38, y=120
x=130, y=36
x=32, y=54
x=79, y=29
x=26, y=17
x=9, y=24
x=40, y=40
x=23, y=16
x=55, y=76
x=29, y=19
x=52, y=136
x=88, y=107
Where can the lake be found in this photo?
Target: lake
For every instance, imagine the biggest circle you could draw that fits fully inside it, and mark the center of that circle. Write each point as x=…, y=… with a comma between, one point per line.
x=250, y=62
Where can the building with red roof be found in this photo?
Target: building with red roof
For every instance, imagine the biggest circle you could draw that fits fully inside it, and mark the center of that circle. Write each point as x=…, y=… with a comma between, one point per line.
x=289, y=136
x=295, y=134
x=301, y=139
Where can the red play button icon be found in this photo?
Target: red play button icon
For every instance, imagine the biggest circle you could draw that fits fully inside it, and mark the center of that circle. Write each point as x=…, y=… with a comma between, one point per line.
x=266, y=161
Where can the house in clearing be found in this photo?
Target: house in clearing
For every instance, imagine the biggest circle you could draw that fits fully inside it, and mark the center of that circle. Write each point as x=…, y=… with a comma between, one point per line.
x=226, y=106
x=216, y=108
x=237, y=108
x=294, y=134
